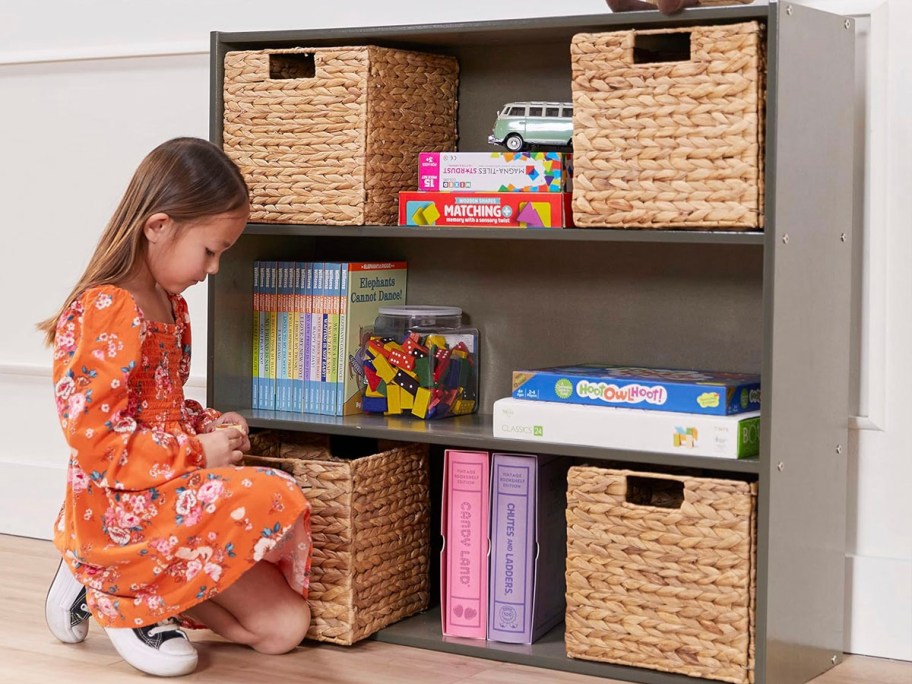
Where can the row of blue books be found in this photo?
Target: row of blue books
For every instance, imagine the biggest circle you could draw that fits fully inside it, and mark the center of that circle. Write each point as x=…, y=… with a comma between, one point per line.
x=307, y=323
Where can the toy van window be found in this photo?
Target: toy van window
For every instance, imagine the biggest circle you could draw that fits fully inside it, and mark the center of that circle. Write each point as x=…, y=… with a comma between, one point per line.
x=516, y=111
x=552, y=111
x=568, y=111
x=535, y=111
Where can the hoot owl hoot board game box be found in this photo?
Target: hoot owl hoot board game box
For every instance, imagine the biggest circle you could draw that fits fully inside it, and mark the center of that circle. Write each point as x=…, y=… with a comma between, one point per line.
x=653, y=389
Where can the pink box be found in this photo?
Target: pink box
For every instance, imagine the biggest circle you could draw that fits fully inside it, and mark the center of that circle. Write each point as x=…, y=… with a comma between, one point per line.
x=464, y=559
x=494, y=172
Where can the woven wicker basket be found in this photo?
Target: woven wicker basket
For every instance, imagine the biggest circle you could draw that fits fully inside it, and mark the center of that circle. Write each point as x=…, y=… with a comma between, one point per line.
x=331, y=135
x=669, y=144
x=371, y=536
x=660, y=572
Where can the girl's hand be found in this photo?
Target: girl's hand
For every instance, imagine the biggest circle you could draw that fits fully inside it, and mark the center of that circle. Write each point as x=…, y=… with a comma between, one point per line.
x=223, y=447
x=235, y=420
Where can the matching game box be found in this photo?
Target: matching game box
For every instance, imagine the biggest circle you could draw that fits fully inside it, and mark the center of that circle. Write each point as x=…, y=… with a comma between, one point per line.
x=486, y=209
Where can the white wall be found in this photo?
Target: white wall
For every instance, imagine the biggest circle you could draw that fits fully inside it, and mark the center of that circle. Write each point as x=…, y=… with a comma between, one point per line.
x=87, y=89
x=85, y=96
x=879, y=559
x=74, y=133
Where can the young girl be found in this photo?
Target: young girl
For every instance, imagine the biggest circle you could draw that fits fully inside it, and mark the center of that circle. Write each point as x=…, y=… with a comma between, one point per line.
x=158, y=522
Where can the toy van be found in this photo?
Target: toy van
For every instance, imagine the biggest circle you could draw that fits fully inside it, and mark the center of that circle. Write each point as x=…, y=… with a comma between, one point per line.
x=521, y=124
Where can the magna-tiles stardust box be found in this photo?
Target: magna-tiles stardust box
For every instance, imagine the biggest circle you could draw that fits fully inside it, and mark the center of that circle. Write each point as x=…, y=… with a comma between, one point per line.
x=494, y=172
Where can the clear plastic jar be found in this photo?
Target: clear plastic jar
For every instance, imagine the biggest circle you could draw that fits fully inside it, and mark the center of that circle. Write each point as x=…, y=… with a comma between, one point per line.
x=421, y=361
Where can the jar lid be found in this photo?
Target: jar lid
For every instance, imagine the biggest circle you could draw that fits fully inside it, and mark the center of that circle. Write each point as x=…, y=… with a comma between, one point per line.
x=412, y=310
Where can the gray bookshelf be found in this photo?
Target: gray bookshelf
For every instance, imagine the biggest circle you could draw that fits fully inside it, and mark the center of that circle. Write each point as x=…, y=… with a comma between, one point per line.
x=775, y=302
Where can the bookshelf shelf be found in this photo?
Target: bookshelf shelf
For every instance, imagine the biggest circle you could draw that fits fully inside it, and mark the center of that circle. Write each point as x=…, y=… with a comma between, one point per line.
x=484, y=34
x=746, y=301
x=423, y=631
x=476, y=432
x=698, y=237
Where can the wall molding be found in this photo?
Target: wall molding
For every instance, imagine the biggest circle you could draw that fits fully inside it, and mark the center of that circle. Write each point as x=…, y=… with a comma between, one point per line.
x=38, y=371
x=28, y=370
x=101, y=52
x=876, y=228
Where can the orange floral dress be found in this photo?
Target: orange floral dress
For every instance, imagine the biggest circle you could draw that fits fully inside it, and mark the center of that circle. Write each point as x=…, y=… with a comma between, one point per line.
x=145, y=526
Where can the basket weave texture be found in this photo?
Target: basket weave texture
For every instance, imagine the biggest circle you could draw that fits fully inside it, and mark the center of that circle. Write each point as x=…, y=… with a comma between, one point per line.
x=331, y=135
x=370, y=521
x=669, y=144
x=671, y=589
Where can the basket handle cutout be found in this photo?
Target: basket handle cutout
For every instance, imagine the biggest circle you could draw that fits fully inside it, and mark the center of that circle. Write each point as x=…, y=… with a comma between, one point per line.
x=652, y=491
x=655, y=48
x=295, y=65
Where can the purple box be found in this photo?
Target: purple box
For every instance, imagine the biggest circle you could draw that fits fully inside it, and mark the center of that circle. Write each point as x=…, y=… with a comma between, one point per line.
x=528, y=541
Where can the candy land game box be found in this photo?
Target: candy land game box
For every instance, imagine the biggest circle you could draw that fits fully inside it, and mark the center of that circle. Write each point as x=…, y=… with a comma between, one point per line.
x=657, y=389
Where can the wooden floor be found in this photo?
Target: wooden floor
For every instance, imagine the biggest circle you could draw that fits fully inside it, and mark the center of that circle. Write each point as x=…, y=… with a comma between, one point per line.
x=30, y=655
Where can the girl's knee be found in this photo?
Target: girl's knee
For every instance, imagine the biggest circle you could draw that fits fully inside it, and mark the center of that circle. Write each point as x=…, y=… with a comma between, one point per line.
x=285, y=632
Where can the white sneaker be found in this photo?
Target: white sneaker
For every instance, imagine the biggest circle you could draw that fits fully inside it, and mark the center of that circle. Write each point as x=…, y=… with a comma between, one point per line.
x=162, y=650
x=65, y=608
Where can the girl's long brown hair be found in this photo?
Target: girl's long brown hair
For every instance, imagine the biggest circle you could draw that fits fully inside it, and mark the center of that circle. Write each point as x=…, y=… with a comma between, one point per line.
x=185, y=178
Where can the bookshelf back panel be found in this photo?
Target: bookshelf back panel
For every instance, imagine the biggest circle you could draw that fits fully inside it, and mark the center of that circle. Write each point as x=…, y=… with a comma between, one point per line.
x=536, y=303
x=489, y=78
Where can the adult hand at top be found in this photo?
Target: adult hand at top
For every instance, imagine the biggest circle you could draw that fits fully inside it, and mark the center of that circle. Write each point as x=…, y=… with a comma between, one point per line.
x=664, y=6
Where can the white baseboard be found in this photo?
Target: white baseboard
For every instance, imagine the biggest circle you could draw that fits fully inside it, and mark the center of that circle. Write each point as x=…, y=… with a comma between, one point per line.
x=30, y=497
x=878, y=596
